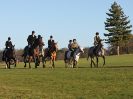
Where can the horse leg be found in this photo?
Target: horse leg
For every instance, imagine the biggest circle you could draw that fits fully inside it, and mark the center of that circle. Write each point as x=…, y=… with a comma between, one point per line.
x=66, y=63
x=71, y=63
x=29, y=65
x=43, y=62
x=97, y=62
x=15, y=62
x=25, y=60
x=74, y=63
x=38, y=60
x=24, y=64
x=53, y=64
x=91, y=62
x=9, y=65
x=29, y=62
x=103, y=60
x=6, y=65
x=35, y=60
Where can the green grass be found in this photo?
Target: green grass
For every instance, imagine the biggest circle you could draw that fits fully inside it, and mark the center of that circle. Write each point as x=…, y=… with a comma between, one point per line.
x=113, y=81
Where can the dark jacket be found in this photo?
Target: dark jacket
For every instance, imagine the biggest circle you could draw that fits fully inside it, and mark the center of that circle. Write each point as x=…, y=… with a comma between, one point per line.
x=50, y=42
x=8, y=44
x=70, y=47
x=31, y=39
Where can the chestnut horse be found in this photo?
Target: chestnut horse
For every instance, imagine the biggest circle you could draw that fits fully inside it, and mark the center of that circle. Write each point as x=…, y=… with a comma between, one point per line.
x=50, y=54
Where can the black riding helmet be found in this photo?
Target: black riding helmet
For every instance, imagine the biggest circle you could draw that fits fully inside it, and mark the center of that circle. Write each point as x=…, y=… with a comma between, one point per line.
x=70, y=40
x=51, y=36
x=74, y=40
x=33, y=32
x=9, y=38
x=97, y=33
x=39, y=36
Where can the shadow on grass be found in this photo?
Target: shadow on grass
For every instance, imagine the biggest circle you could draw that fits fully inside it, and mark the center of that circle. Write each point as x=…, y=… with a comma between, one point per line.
x=117, y=66
x=80, y=67
x=129, y=66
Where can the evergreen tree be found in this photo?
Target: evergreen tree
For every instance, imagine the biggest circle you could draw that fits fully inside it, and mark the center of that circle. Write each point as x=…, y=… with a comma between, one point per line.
x=118, y=26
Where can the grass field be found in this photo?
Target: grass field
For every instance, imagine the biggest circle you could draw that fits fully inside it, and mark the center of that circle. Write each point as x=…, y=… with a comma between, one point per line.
x=114, y=81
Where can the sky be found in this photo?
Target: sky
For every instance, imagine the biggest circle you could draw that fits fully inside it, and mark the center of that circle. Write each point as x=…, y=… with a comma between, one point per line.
x=64, y=19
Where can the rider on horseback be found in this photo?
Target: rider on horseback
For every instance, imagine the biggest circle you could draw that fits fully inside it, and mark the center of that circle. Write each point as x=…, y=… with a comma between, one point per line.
x=31, y=39
x=97, y=42
x=69, y=51
x=74, y=46
x=39, y=43
x=8, y=45
x=70, y=45
x=50, y=43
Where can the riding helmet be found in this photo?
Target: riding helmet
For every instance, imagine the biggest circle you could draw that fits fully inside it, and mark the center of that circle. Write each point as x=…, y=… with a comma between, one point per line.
x=97, y=33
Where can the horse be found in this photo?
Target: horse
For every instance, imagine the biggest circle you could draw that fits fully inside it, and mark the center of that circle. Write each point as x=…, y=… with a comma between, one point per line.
x=31, y=54
x=41, y=56
x=50, y=54
x=72, y=60
x=10, y=57
x=96, y=52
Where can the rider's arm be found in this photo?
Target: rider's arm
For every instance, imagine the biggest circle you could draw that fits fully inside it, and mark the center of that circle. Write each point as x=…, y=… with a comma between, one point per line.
x=6, y=43
x=28, y=38
x=95, y=39
x=11, y=44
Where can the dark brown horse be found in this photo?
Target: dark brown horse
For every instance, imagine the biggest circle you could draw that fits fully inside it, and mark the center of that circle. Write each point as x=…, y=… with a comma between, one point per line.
x=10, y=57
x=50, y=54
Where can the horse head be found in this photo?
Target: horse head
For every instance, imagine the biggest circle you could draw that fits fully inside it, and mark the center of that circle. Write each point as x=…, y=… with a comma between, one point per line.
x=55, y=47
x=81, y=49
x=13, y=48
x=100, y=43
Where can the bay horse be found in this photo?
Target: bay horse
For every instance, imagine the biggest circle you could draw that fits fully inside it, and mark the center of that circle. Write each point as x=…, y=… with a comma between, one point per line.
x=96, y=53
x=31, y=54
x=72, y=60
x=10, y=57
x=50, y=54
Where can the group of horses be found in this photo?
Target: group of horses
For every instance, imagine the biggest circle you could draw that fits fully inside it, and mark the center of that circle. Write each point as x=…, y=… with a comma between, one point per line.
x=38, y=55
x=32, y=54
